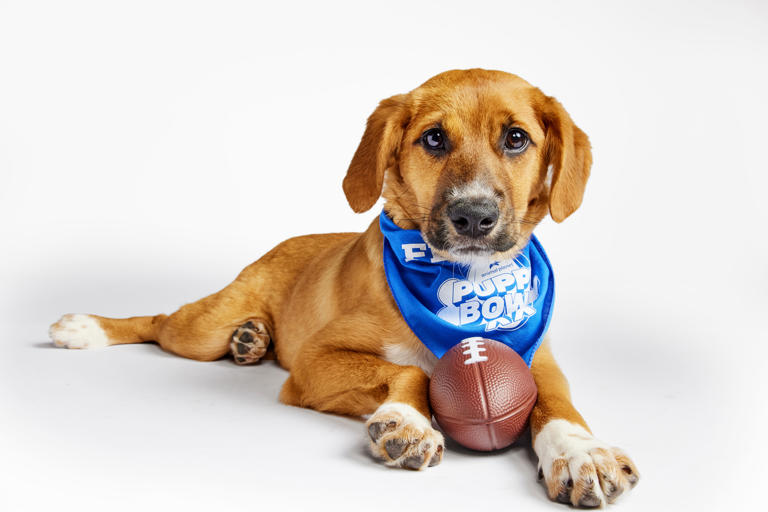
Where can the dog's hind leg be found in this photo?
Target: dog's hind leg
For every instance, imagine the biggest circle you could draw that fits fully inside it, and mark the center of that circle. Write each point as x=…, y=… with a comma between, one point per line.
x=237, y=319
x=232, y=320
x=91, y=331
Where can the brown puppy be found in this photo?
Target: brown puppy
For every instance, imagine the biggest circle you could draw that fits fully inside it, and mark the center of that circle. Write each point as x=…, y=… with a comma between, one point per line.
x=486, y=141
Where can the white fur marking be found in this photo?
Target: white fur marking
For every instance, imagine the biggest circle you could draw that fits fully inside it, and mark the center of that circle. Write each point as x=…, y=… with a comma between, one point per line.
x=550, y=173
x=419, y=443
x=407, y=354
x=409, y=413
x=78, y=331
x=473, y=189
x=561, y=439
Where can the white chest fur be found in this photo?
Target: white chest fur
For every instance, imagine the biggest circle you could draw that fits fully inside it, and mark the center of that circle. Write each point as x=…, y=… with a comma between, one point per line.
x=411, y=352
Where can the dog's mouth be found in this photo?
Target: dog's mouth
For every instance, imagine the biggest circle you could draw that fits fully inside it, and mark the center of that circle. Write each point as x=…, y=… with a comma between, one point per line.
x=452, y=247
x=470, y=228
x=472, y=249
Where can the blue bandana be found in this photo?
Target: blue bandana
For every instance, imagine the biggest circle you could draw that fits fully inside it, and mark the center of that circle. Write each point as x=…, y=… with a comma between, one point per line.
x=445, y=302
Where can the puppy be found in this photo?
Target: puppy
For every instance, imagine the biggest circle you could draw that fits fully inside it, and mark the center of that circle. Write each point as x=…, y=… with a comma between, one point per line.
x=471, y=160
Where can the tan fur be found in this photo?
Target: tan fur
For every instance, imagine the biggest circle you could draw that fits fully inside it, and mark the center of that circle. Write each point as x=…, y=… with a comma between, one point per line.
x=324, y=299
x=554, y=395
x=555, y=486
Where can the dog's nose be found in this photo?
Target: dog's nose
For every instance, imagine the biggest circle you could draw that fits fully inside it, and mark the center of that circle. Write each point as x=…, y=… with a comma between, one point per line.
x=474, y=218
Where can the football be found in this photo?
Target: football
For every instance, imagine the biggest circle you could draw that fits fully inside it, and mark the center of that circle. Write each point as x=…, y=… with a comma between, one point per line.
x=482, y=393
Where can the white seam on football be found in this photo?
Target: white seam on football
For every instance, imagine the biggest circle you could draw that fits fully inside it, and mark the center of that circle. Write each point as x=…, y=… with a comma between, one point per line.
x=78, y=331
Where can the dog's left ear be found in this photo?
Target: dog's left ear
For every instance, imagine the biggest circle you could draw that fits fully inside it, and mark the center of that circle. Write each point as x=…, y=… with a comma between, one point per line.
x=376, y=153
x=567, y=150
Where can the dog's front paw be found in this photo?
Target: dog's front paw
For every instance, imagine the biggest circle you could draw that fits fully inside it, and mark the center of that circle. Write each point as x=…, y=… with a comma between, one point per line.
x=402, y=436
x=579, y=469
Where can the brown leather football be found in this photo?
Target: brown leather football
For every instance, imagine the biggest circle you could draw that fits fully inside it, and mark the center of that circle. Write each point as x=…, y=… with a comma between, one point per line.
x=482, y=393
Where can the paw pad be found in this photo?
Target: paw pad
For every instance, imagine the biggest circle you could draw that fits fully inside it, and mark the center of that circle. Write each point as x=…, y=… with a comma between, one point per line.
x=401, y=436
x=249, y=342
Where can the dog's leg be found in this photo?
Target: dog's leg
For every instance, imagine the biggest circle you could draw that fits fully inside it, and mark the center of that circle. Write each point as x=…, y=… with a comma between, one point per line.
x=576, y=467
x=349, y=381
x=237, y=319
x=230, y=320
x=91, y=331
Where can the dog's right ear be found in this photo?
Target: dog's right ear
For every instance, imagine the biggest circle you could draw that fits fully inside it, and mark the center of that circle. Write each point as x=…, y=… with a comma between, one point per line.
x=378, y=151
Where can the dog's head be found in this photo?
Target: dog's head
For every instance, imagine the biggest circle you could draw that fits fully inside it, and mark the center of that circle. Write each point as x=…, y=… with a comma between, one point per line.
x=474, y=159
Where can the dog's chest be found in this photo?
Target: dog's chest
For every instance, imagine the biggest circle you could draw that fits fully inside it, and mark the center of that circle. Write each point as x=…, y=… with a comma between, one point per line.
x=410, y=352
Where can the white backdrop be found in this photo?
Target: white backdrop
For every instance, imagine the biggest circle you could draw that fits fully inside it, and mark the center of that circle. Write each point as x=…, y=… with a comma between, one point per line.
x=151, y=149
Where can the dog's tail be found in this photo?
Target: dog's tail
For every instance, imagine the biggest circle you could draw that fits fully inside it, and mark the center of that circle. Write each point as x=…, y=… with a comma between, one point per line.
x=91, y=331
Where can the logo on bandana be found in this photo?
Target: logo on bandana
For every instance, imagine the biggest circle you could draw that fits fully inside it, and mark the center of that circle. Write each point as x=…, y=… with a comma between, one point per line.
x=446, y=302
x=498, y=295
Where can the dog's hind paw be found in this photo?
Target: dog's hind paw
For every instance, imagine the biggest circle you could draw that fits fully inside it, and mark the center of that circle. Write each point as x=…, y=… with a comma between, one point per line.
x=78, y=331
x=249, y=342
x=401, y=436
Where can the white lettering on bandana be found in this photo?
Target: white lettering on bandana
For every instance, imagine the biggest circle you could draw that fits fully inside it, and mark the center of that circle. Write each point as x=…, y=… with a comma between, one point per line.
x=446, y=302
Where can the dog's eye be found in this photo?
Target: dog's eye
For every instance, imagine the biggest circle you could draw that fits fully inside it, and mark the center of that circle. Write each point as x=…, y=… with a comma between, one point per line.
x=516, y=140
x=433, y=139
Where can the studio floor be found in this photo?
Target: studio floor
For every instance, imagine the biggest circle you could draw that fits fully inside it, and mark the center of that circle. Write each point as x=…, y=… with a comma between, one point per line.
x=150, y=150
x=131, y=427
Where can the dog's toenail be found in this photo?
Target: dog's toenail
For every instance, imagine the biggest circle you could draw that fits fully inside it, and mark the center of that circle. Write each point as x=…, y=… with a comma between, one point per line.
x=589, y=500
x=395, y=448
x=541, y=474
x=413, y=462
x=375, y=430
x=436, y=457
x=240, y=359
